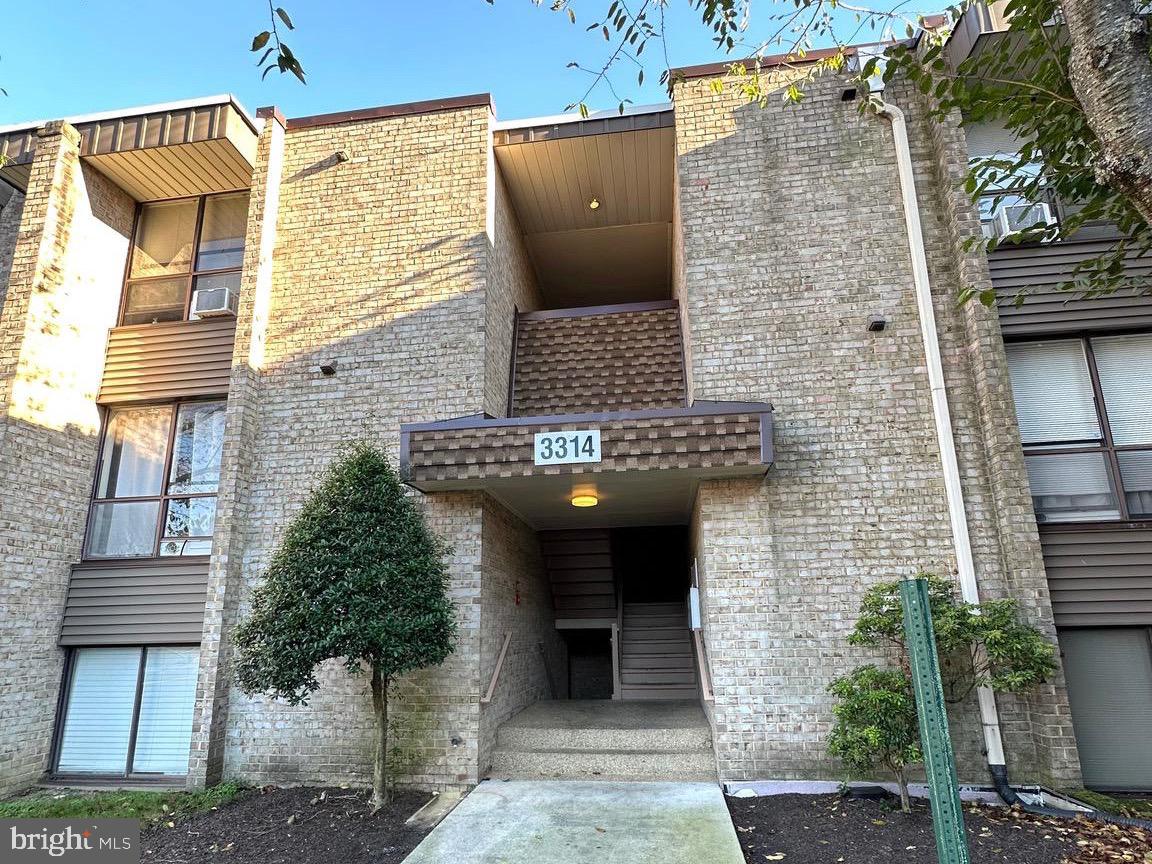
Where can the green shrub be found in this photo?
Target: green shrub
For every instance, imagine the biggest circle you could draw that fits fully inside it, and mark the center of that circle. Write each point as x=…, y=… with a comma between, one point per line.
x=876, y=723
x=358, y=577
x=978, y=645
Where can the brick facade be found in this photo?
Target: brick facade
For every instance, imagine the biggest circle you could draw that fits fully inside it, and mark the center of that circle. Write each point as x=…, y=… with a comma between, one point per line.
x=387, y=245
x=777, y=304
x=63, y=291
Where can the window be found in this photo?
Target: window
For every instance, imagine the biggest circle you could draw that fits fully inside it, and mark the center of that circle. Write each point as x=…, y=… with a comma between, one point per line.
x=157, y=481
x=1085, y=412
x=128, y=711
x=182, y=247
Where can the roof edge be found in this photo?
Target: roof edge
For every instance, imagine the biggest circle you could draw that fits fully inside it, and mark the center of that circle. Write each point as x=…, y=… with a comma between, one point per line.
x=380, y=112
x=769, y=61
x=132, y=111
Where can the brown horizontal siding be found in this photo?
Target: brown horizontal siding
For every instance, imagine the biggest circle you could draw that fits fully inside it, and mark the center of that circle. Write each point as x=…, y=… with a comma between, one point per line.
x=1038, y=269
x=168, y=361
x=154, y=603
x=1099, y=577
x=712, y=444
x=602, y=361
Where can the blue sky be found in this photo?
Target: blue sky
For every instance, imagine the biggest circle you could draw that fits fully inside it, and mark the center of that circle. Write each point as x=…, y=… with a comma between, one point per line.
x=63, y=57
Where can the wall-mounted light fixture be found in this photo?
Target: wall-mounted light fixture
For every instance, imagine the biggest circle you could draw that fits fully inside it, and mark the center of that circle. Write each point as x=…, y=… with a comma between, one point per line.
x=341, y=156
x=328, y=367
x=877, y=323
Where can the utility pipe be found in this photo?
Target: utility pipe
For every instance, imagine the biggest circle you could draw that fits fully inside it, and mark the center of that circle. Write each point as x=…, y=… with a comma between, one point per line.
x=965, y=566
x=962, y=544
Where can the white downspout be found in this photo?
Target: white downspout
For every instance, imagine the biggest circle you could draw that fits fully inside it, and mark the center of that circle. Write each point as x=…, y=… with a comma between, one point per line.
x=966, y=568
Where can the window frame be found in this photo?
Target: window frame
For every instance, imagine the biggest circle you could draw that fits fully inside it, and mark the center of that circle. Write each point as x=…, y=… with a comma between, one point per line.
x=192, y=275
x=163, y=498
x=1107, y=446
x=62, y=712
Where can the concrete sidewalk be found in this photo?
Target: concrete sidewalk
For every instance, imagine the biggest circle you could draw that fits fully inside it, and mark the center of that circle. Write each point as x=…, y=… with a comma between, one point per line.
x=570, y=822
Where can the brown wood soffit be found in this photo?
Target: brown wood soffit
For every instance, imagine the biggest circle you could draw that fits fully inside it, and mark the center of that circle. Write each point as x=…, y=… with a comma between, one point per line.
x=581, y=128
x=715, y=437
x=430, y=106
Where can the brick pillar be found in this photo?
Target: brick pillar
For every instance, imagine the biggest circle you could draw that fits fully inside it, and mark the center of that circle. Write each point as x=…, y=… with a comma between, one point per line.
x=62, y=291
x=206, y=759
x=1039, y=740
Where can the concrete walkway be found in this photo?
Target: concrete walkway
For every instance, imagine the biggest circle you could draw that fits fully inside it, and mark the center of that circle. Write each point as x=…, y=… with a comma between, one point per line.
x=571, y=822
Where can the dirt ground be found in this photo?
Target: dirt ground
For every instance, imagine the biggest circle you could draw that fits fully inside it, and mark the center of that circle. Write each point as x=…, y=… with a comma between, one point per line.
x=304, y=825
x=828, y=829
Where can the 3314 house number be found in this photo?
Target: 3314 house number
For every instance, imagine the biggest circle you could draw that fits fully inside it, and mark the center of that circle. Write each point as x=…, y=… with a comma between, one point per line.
x=565, y=448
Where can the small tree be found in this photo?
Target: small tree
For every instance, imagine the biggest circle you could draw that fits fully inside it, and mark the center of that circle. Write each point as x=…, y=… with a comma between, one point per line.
x=359, y=577
x=979, y=645
x=876, y=723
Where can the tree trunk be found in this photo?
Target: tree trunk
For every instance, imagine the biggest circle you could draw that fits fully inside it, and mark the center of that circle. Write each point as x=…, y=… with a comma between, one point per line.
x=380, y=792
x=902, y=782
x=1111, y=74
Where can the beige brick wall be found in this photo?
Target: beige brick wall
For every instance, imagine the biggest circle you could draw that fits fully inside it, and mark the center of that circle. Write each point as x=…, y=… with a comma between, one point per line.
x=10, y=212
x=63, y=295
x=793, y=236
x=516, y=598
x=510, y=287
x=380, y=263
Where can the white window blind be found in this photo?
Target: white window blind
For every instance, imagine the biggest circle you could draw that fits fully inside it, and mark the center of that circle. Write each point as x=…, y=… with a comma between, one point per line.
x=1125, y=367
x=164, y=732
x=98, y=722
x=1071, y=487
x=1053, y=391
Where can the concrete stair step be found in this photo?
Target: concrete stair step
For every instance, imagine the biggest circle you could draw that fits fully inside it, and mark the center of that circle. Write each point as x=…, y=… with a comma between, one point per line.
x=629, y=677
x=657, y=634
x=631, y=740
x=653, y=608
x=659, y=691
x=681, y=660
x=642, y=622
x=604, y=765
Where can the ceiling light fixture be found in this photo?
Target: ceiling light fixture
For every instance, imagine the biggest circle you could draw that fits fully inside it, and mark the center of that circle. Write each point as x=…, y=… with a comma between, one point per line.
x=585, y=500
x=594, y=204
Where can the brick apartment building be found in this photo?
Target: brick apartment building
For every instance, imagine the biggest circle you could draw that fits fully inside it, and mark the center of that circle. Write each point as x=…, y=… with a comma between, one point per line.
x=702, y=320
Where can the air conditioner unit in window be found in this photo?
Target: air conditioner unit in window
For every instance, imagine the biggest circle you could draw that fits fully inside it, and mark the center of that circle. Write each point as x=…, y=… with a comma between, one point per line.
x=1012, y=218
x=213, y=302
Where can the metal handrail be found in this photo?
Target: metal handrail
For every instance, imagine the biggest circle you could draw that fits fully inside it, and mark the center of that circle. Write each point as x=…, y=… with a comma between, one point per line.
x=487, y=697
x=702, y=665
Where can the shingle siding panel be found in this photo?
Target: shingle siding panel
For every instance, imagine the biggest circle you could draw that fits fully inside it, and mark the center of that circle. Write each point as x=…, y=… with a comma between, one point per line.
x=599, y=362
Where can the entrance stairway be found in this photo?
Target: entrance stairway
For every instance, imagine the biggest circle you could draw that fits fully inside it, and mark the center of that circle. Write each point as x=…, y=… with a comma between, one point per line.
x=656, y=653
x=605, y=740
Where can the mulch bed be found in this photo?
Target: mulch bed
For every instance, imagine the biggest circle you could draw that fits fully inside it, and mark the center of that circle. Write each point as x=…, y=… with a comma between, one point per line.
x=829, y=829
x=304, y=825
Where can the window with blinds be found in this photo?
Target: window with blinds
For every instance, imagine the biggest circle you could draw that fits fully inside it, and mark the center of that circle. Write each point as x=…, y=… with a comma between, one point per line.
x=128, y=712
x=1084, y=407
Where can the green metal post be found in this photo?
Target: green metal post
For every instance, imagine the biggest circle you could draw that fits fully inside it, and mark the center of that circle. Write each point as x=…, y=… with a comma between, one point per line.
x=939, y=762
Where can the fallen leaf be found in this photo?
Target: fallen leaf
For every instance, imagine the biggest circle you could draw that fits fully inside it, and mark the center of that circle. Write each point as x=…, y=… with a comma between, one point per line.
x=775, y=856
x=599, y=829
x=879, y=822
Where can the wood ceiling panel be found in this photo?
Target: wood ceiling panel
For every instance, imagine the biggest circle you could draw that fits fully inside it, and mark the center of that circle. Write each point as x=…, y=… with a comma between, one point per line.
x=176, y=171
x=623, y=263
x=551, y=181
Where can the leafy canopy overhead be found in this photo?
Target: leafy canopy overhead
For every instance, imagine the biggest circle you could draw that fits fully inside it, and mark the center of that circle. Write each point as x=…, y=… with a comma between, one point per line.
x=358, y=577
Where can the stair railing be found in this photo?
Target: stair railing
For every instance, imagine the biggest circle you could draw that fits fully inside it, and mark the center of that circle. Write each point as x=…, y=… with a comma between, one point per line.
x=618, y=641
x=487, y=697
